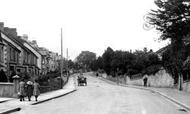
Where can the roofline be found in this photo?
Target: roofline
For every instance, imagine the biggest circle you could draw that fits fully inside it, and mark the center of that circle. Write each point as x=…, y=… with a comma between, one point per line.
x=17, y=42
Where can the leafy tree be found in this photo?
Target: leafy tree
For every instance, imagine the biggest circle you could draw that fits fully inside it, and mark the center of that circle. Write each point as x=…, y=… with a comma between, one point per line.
x=172, y=19
x=70, y=64
x=107, y=58
x=97, y=64
x=85, y=58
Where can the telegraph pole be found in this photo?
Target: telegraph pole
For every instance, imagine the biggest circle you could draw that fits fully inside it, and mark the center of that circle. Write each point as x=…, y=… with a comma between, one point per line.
x=61, y=59
x=67, y=64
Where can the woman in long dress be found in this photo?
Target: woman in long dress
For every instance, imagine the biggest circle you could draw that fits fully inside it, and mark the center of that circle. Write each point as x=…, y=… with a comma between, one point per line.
x=21, y=90
x=29, y=89
x=36, y=91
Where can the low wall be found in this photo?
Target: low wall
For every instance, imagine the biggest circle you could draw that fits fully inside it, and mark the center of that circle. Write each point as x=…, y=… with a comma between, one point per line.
x=6, y=89
x=186, y=86
x=160, y=79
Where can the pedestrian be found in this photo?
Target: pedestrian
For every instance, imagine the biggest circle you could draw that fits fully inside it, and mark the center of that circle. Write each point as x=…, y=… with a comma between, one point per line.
x=36, y=91
x=21, y=90
x=29, y=89
x=145, y=80
x=96, y=74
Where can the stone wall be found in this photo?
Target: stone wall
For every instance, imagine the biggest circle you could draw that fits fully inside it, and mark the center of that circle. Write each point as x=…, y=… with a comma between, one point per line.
x=186, y=86
x=7, y=90
x=160, y=79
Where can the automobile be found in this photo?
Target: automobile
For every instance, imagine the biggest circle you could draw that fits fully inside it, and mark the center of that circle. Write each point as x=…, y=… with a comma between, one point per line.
x=82, y=81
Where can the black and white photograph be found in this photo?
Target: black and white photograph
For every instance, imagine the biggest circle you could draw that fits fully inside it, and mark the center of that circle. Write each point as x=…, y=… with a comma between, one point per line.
x=95, y=57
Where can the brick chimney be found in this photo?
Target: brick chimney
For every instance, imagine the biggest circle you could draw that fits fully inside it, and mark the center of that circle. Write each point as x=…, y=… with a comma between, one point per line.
x=24, y=37
x=1, y=26
x=11, y=31
x=34, y=42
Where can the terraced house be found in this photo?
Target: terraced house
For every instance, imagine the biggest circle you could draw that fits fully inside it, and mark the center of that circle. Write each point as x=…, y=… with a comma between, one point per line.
x=16, y=55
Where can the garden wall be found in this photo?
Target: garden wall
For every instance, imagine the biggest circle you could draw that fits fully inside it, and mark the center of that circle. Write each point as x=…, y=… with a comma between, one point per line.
x=186, y=86
x=6, y=89
x=160, y=79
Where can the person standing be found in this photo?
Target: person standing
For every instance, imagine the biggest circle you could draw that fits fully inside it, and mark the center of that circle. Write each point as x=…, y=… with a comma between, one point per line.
x=36, y=91
x=145, y=80
x=21, y=90
x=29, y=89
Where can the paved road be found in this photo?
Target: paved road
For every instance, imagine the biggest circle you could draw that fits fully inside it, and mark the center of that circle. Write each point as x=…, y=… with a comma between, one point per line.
x=100, y=97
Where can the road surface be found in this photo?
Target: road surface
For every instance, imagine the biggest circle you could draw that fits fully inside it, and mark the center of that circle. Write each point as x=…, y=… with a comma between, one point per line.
x=100, y=97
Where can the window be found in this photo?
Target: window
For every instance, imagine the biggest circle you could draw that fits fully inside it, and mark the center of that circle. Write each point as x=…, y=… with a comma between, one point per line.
x=1, y=54
x=25, y=57
x=14, y=55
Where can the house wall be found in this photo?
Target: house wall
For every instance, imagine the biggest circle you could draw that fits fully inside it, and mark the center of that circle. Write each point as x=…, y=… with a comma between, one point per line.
x=38, y=58
x=2, y=56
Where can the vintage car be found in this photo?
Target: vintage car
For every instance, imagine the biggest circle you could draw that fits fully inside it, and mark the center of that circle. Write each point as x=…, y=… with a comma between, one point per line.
x=82, y=81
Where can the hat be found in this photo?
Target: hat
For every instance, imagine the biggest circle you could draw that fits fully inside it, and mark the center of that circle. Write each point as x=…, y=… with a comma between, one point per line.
x=29, y=83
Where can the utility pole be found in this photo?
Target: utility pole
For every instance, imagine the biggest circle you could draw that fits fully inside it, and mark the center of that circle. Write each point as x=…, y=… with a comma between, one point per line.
x=67, y=63
x=61, y=59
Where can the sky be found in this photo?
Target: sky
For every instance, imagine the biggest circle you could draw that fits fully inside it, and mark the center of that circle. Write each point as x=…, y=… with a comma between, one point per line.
x=91, y=25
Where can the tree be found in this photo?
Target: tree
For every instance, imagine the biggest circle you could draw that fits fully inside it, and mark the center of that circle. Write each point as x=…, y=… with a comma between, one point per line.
x=172, y=19
x=70, y=64
x=107, y=58
x=97, y=64
x=86, y=58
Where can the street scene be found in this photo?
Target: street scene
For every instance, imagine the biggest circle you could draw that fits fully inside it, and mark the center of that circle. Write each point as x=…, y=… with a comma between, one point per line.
x=101, y=97
x=95, y=57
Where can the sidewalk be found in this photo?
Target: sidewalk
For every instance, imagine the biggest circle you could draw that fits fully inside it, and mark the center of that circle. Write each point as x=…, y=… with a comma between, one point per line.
x=14, y=104
x=179, y=97
x=4, y=99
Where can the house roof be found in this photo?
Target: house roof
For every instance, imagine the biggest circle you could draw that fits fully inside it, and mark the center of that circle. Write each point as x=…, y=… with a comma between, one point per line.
x=162, y=50
x=17, y=40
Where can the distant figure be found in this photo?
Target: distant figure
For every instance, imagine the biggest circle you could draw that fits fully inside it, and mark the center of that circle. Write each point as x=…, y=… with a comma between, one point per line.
x=145, y=80
x=36, y=91
x=21, y=90
x=96, y=74
x=3, y=77
x=29, y=89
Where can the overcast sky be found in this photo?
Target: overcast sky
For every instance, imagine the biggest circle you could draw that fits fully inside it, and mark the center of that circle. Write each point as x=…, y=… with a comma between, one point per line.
x=87, y=24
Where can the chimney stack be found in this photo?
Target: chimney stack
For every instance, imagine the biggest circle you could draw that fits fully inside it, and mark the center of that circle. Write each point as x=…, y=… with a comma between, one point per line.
x=1, y=26
x=11, y=31
x=34, y=42
x=24, y=37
